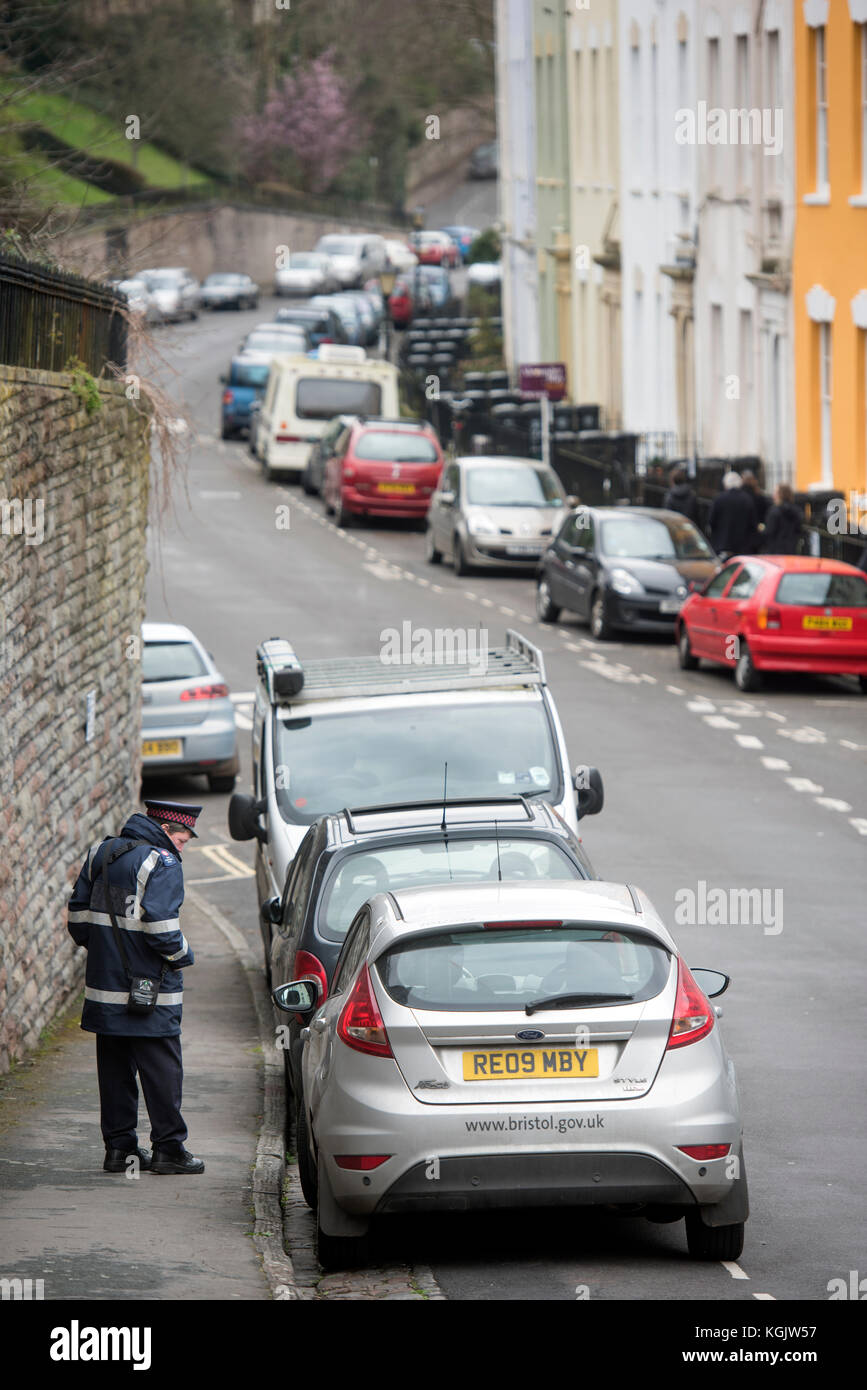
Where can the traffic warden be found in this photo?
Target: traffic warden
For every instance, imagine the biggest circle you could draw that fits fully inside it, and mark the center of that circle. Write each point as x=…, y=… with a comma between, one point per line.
x=133, y=994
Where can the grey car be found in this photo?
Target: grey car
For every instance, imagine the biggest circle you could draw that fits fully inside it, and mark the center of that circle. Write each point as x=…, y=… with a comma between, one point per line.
x=493, y=512
x=517, y=1044
x=174, y=292
x=188, y=720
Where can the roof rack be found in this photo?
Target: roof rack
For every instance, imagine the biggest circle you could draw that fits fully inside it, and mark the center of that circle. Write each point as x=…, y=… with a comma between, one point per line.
x=519, y=664
x=485, y=803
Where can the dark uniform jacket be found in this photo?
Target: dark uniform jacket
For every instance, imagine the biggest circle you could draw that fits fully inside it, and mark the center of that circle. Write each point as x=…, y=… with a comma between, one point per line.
x=147, y=889
x=783, y=529
x=732, y=523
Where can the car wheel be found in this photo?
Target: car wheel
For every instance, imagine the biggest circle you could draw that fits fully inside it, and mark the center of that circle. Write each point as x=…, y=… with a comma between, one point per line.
x=747, y=677
x=307, y=485
x=547, y=611
x=685, y=658
x=599, y=626
x=343, y=518
x=459, y=558
x=221, y=784
x=431, y=554
x=306, y=1170
x=226, y=433
x=862, y=681
x=713, y=1242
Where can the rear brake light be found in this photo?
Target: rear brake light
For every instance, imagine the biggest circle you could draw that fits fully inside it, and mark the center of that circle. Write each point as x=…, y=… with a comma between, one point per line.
x=704, y=1152
x=205, y=692
x=307, y=966
x=361, y=1163
x=287, y=438
x=693, y=1014
x=498, y=925
x=228, y=397
x=360, y=1024
x=769, y=617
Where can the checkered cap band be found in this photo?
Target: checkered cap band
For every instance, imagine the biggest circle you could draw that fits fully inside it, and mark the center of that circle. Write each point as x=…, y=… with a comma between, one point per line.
x=174, y=817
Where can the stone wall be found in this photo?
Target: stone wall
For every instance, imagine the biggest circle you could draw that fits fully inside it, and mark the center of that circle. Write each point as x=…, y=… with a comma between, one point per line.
x=73, y=513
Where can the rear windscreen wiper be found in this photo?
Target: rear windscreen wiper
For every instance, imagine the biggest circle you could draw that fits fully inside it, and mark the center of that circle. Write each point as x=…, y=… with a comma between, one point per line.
x=562, y=1001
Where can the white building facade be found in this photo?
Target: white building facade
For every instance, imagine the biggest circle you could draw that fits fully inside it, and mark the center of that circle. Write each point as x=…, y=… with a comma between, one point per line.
x=516, y=133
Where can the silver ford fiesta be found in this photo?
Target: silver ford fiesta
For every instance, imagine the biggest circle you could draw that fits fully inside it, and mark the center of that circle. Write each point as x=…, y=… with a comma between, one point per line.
x=516, y=1045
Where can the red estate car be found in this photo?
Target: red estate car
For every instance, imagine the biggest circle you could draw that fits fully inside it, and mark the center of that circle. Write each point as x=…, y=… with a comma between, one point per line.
x=778, y=613
x=435, y=248
x=382, y=468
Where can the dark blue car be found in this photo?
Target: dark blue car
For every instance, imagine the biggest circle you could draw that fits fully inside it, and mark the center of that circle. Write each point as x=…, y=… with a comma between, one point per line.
x=245, y=383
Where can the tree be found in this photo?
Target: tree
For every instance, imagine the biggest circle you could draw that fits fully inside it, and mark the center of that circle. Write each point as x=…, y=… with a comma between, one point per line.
x=309, y=118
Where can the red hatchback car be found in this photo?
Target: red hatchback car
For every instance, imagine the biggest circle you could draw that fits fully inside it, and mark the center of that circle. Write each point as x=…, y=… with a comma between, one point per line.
x=778, y=613
x=382, y=468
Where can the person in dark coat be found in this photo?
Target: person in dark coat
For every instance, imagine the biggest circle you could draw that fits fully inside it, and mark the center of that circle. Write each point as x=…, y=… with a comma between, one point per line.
x=761, y=500
x=784, y=524
x=681, y=496
x=146, y=892
x=732, y=521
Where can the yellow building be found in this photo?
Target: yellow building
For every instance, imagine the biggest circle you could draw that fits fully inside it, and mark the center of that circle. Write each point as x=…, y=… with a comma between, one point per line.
x=829, y=271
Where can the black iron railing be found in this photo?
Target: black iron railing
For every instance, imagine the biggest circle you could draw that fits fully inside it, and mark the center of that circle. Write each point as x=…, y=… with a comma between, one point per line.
x=48, y=317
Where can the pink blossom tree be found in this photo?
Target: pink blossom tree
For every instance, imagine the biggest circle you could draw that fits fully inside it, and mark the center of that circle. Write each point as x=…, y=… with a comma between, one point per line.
x=308, y=116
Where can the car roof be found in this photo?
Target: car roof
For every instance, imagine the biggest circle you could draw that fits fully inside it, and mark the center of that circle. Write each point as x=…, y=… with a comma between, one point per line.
x=504, y=814
x=497, y=460
x=166, y=632
x=803, y=564
x=404, y=912
x=377, y=421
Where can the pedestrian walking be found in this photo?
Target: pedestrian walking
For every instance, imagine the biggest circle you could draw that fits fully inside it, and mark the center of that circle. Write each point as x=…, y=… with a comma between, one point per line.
x=784, y=524
x=761, y=500
x=681, y=495
x=124, y=912
x=732, y=521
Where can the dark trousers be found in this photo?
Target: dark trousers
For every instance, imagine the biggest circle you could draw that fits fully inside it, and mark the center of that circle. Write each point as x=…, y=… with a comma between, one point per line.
x=161, y=1073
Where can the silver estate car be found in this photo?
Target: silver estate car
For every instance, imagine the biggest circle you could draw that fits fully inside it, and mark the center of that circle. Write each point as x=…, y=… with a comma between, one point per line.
x=493, y=512
x=516, y=1044
x=188, y=720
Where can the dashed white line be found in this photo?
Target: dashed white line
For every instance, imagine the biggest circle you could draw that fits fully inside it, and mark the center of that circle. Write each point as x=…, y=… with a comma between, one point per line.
x=860, y=824
x=734, y=1269
x=831, y=803
x=769, y=1297
x=720, y=721
x=507, y=612
x=804, y=784
x=700, y=706
x=674, y=690
x=777, y=764
x=748, y=741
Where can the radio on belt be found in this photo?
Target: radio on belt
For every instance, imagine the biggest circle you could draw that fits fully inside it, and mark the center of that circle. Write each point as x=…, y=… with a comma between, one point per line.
x=280, y=668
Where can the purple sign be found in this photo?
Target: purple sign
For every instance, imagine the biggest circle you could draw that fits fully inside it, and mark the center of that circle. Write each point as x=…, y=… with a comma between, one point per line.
x=543, y=379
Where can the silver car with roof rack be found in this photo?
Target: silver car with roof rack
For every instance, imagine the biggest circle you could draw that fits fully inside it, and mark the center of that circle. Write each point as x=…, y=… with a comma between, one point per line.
x=346, y=731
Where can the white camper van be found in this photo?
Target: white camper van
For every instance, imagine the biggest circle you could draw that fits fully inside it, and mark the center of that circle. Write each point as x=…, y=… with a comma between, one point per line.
x=304, y=393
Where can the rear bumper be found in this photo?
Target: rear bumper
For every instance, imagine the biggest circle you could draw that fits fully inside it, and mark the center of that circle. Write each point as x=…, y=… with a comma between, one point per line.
x=790, y=654
x=639, y=614
x=214, y=741
x=537, y=1180
x=381, y=504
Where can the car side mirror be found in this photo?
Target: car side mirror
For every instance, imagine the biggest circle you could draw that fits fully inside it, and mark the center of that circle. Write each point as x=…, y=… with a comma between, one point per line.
x=712, y=982
x=299, y=997
x=244, y=812
x=447, y=499
x=269, y=912
x=591, y=794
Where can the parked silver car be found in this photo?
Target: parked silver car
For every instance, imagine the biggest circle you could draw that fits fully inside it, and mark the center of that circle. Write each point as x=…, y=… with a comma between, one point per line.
x=225, y=289
x=494, y=512
x=354, y=257
x=138, y=298
x=188, y=720
x=517, y=1045
x=174, y=291
x=308, y=272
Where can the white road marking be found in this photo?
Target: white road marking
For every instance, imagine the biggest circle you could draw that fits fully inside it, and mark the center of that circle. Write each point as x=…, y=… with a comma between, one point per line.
x=573, y=647
x=803, y=784
x=220, y=496
x=855, y=747
x=719, y=721
x=748, y=741
x=437, y=588
x=771, y=714
x=806, y=734
x=651, y=680
x=674, y=690
x=468, y=593
x=859, y=824
x=525, y=617
x=381, y=570
x=244, y=697
x=507, y=612
x=768, y=1296
x=700, y=706
x=486, y=602
x=777, y=764
x=742, y=710
x=734, y=1269
x=832, y=804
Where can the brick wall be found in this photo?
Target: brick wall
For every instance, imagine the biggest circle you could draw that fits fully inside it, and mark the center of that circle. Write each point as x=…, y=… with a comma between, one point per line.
x=72, y=571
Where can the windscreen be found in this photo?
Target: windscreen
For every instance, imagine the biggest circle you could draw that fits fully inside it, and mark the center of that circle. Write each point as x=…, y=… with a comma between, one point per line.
x=395, y=446
x=380, y=756
x=474, y=969
x=821, y=590
x=647, y=538
x=321, y=398
x=249, y=375
x=276, y=342
x=512, y=487
x=170, y=661
x=364, y=872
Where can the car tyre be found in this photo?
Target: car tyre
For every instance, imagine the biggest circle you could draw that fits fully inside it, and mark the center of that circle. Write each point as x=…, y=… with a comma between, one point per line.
x=600, y=628
x=747, y=678
x=221, y=784
x=862, y=681
x=460, y=560
x=307, y=485
x=226, y=433
x=343, y=518
x=431, y=554
x=685, y=659
x=713, y=1242
x=546, y=610
x=306, y=1170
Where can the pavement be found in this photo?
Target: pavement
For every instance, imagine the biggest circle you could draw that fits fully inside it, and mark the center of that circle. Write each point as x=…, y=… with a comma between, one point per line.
x=95, y=1235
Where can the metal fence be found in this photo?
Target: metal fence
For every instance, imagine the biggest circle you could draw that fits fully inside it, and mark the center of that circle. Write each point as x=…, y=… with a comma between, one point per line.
x=48, y=317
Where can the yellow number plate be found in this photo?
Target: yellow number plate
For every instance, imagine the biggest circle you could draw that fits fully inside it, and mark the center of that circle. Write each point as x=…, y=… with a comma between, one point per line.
x=827, y=624
x=533, y=1064
x=395, y=487
x=161, y=748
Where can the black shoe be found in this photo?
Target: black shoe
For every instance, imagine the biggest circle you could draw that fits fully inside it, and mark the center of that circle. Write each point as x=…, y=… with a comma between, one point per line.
x=116, y=1160
x=176, y=1162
